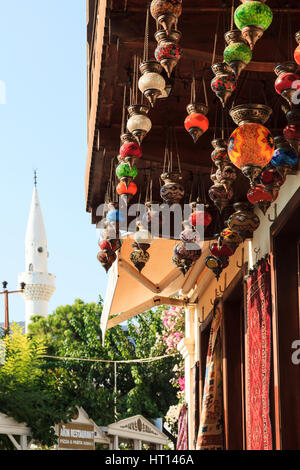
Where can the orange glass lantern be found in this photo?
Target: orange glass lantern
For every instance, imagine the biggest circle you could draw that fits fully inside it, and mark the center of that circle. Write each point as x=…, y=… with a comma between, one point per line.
x=251, y=146
x=297, y=50
x=123, y=188
x=196, y=122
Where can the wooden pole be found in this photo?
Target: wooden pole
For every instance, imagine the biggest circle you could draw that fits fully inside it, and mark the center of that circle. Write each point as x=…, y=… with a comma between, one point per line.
x=6, y=323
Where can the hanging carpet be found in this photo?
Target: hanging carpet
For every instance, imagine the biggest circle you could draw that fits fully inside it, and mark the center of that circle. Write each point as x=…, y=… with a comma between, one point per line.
x=182, y=440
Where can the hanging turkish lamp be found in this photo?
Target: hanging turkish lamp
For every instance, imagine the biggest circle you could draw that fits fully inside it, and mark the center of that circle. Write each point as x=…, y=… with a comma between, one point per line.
x=138, y=123
x=238, y=53
x=172, y=190
x=251, y=145
x=151, y=84
x=243, y=220
x=166, y=13
x=253, y=18
x=292, y=131
x=184, y=257
x=297, y=50
x=220, y=155
x=285, y=157
x=190, y=237
x=168, y=52
x=142, y=242
x=216, y=264
x=226, y=176
x=106, y=259
x=196, y=123
x=288, y=81
x=224, y=82
x=198, y=219
x=220, y=196
x=230, y=238
x=218, y=249
x=262, y=196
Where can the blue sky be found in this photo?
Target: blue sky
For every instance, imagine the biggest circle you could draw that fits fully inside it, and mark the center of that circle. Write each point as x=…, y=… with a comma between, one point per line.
x=43, y=126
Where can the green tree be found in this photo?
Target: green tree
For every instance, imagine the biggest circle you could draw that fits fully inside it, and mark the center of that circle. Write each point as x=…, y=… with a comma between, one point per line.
x=143, y=388
x=28, y=392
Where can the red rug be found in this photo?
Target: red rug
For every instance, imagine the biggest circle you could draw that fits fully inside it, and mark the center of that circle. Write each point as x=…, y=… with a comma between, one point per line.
x=258, y=358
x=182, y=440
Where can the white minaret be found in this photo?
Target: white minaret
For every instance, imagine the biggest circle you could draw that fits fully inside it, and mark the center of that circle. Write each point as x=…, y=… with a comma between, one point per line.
x=39, y=284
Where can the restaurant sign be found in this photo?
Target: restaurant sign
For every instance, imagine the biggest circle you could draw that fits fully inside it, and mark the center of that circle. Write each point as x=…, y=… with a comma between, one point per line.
x=76, y=436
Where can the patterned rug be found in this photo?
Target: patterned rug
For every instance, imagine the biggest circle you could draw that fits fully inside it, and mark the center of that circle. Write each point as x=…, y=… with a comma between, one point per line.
x=258, y=357
x=182, y=440
x=210, y=436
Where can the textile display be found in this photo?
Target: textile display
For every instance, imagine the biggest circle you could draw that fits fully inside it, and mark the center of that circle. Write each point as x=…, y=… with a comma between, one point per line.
x=258, y=358
x=210, y=436
x=182, y=440
x=196, y=400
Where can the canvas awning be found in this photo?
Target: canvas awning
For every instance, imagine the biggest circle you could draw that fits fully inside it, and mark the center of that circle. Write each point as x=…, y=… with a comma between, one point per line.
x=130, y=292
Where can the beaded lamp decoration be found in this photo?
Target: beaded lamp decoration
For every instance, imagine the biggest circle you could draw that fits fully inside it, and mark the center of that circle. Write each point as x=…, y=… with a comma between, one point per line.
x=196, y=123
x=224, y=82
x=284, y=157
x=151, y=84
x=216, y=264
x=238, y=53
x=243, y=220
x=184, y=257
x=251, y=145
x=288, y=81
x=253, y=18
x=292, y=130
x=297, y=50
x=166, y=13
x=172, y=190
x=168, y=52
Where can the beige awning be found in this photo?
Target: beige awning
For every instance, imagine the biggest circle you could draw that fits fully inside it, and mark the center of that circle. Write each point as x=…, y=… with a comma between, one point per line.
x=130, y=292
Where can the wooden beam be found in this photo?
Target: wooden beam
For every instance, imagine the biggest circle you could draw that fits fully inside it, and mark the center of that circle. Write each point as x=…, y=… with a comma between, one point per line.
x=139, y=276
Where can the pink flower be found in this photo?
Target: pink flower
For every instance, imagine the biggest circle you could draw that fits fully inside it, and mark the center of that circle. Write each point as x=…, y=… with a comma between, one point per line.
x=181, y=382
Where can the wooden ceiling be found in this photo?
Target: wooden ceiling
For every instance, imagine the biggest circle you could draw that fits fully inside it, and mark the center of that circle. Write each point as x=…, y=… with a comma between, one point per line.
x=123, y=36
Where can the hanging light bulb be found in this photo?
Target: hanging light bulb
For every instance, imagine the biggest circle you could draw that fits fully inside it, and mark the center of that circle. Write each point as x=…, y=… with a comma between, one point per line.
x=168, y=52
x=253, y=18
x=224, y=82
x=251, y=145
x=166, y=13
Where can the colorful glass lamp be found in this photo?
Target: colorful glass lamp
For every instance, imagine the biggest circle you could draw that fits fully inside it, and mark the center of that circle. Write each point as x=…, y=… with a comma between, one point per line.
x=253, y=18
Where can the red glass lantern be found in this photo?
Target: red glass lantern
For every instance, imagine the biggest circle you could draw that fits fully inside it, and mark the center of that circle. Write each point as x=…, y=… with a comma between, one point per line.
x=221, y=250
x=261, y=196
x=130, y=149
x=297, y=51
x=168, y=52
x=196, y=122
x=200, y=218
x=287, y=81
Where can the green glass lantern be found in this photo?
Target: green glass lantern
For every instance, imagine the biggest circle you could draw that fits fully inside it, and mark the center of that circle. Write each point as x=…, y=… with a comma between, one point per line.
x=253, y=18
x=238, y=53
x=124, y=170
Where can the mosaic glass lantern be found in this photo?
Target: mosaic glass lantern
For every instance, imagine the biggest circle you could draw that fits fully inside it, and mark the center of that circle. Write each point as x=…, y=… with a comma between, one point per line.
x=182, y=264
x=253, y=18
x=168, y=52
x=297, y=50
x=216, y=264
x=287, y=81
x=218, y=250
x=224, y=82
x=191, y=237
x=230, y=238
x=238, y=53
x=130, y=149
x=226, y=176
x=292, y=130
x=143, y=238
x=166, y=12
x=123, y=188
x=220, y=155
x=284, y=156
x=243, y=220
x=261, y=196
x=220, y=196
x=115, y=215
x=196, y=122
x=172, y=191
x=251, y=145
x=138, y=123
x=106, y=259
x=139, y=258
x=183, y=252
x=124, y=170
x=152, y=84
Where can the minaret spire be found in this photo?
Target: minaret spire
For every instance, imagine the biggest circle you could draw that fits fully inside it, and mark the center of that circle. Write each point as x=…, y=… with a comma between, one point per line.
x=40, y=285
